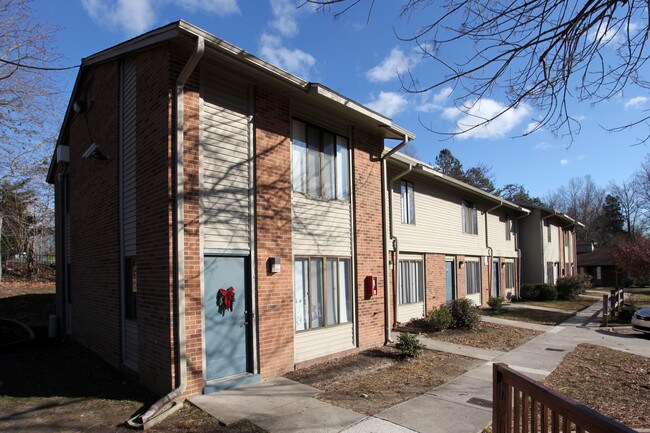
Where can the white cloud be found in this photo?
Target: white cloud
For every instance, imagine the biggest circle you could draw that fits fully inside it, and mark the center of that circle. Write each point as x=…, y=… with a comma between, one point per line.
x=618, y=34
x=564, y=162
x=475, y=113
x=636, y=102
x=451, y=113
x=138, y=16
x=532, y=127
x=396, y=63
x=388, y=103
x=437, y=101
x=295, y=61
x=545, y=146
x=284, y=17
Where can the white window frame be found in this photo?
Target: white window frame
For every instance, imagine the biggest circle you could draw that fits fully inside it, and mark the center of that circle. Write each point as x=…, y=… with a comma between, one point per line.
x=411, y=282
x=510, y=275
x=407, y=200
x=476, y=268
x=315, y=146
x=343, y=311
x=469, y=218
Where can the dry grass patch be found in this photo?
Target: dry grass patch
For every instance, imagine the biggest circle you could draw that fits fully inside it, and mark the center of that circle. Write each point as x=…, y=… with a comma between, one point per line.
x=541, y=317
x=376, y=379
x=574, y=305
x=487, y=336
x=614, y=383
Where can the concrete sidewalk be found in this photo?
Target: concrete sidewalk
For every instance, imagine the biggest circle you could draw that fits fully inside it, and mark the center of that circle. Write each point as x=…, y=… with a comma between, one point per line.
x=462, y=405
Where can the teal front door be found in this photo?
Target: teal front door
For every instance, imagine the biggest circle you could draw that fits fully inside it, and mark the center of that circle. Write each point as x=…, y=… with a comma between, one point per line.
x=449, y=276
x=227, y=321
x=495, y=278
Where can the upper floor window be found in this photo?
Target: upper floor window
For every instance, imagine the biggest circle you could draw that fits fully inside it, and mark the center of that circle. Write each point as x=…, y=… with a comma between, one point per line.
x=549, y=233
x=321, y=162
x=508, y=228
x=566, y=239
x=470, y=224
x=408, y=206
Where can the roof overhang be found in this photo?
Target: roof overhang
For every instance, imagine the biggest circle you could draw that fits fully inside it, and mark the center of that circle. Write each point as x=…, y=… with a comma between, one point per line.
x=184, y=31
x=432, y=173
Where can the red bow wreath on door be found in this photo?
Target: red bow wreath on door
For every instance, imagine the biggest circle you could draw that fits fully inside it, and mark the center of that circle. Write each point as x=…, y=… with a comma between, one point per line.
x=225, y=299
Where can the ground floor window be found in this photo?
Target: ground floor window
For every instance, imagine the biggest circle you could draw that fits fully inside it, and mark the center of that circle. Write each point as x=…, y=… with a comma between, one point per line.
x=322, y=292
x=510, y=275
x=473, y=277
x=411, y=285
x=599, y=274
x=549, y=273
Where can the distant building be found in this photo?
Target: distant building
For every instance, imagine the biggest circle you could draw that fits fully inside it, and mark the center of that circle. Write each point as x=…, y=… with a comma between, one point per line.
x=598, y=263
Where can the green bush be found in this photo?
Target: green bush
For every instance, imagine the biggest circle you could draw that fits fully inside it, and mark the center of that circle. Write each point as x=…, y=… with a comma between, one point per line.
x=495, y=303
x=464, y=314
x=568, y=288
x=439, y=318
x=626, y=313
x=409, y=345
x=538, y=292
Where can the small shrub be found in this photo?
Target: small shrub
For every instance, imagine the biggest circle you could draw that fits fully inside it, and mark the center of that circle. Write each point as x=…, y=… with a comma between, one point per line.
x=495, y=303
x=439, y=318
x=626, y=313
x=568, y=288
x=538, y=292
x=464, y=314
x=409, y=345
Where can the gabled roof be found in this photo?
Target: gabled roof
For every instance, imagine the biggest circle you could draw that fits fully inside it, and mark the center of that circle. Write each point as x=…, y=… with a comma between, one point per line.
x=184, y=32
x=548, y=211
x=431, y=172
x=598, y=257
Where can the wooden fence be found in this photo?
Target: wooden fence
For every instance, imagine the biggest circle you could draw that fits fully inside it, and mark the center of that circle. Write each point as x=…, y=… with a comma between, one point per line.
x=522, y=405
x=612, y=303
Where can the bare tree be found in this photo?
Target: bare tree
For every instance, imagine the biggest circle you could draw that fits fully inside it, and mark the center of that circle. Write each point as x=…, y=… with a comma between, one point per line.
x=628, y=195
x=581, y=199
x=642, y=190
x=537, y=52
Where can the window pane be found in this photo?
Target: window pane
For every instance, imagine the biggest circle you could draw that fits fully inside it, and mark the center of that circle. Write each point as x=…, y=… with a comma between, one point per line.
x=316, y=292
x=328, y=165
x=332, y=304
x=474, y=221
x=313, y=162
x=345, y=291
x=463, y=214
x=473, y=277
x=342, y=169
x=299, y=157
x=300, y=283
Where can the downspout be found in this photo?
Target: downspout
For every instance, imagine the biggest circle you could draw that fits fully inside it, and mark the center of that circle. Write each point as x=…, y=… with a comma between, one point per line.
x=393, y=238
x=388, y=234
x=141, y=421
x=489, y=248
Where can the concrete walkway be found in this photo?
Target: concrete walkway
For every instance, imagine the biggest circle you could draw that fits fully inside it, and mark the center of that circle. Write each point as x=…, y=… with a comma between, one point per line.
x=462, y=405
x=516, y=323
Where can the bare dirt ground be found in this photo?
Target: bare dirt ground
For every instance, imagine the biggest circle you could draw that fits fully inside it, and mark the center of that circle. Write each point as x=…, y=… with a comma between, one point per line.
x=487, y=336
x=550, y=318
x=58, y=386
x=615, y=383
x=376, y=379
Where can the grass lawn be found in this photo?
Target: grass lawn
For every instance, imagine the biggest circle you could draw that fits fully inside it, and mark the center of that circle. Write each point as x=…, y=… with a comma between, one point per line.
x=541, y=317
x=575, y=305
x=53, y=386
x=641, y=295
x=612, y=382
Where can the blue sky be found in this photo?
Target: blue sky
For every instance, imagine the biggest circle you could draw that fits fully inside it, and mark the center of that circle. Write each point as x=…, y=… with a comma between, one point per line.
x=361, y=60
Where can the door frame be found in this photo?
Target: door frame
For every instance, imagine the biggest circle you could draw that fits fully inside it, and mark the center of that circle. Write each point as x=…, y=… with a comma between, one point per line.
x=252, y=365
x=454, y=288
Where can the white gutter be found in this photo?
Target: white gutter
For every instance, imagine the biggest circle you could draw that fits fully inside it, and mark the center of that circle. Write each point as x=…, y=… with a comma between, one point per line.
x=180, y=241
x=388, y=234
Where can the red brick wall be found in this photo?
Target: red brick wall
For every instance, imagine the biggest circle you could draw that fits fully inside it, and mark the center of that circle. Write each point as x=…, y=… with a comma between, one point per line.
x=94, y=217
x=273, y=232
x=369, y=244
x=461, y=290
x=435, y=280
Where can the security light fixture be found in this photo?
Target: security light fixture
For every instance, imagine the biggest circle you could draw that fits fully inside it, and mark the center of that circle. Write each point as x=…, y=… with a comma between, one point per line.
x=94, y=151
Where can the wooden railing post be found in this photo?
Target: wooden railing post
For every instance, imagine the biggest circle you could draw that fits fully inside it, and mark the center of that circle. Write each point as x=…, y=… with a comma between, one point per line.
x=498, y=400
x=605, y=310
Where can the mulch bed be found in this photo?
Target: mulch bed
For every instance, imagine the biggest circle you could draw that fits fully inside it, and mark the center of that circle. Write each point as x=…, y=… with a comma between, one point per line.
x=376, y=379
x=615, y=383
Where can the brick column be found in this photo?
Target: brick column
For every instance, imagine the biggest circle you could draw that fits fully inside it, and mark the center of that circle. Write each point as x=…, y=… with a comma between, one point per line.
x=435, y=280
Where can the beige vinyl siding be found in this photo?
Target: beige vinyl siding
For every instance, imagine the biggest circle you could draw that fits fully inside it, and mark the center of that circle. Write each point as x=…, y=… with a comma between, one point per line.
x=226, y=191
x=321, y=227
x=322, y=341
x=131, y=343
x=438, y=221
x=406, y=312
x=129, y=156
x=497, y=234
x=552, y=249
